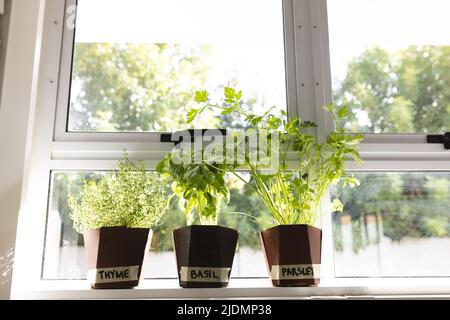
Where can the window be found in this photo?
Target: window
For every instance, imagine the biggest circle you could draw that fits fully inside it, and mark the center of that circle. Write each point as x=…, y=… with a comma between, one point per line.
x=395, y=224
x=390, y=64
x=127, y=71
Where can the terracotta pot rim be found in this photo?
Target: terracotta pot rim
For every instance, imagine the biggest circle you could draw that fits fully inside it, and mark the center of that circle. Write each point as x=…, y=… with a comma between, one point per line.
x=286, y=226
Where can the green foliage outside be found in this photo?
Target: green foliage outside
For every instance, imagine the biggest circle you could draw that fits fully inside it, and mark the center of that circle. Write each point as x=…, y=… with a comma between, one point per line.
x=413, y=205
x=126, y=198
x=402, y=91
x=406, y=91
x=134, y=87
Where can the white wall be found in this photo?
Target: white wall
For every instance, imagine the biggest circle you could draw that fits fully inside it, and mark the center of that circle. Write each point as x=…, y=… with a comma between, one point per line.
x=15, y=113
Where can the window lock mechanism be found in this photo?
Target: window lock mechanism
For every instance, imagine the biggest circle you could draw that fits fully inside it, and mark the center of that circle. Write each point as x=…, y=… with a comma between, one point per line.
x=440, y=138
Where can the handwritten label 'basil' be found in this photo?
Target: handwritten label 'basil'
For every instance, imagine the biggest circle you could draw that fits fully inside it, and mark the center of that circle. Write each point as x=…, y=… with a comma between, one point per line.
x=204, y=274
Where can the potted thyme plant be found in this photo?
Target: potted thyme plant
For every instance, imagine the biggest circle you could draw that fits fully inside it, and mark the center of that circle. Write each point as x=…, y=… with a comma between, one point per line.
x=204, y=251
x=115, y=215
x=292, y=191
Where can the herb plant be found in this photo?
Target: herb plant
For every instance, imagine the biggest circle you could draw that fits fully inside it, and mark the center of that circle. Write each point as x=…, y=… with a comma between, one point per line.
x=199, y=187
x=128, y=197
x=292, y=193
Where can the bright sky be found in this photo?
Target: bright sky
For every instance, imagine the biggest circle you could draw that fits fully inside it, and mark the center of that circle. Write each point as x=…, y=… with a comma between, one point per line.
x=248, y=34
x=356, y=25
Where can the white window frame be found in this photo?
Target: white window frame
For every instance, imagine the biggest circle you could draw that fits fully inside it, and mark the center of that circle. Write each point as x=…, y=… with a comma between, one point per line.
x=308, y=80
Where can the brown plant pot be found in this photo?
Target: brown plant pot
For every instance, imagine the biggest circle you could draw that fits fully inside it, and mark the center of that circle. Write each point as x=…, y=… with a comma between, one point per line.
x=204, y=255
x=115, y=256
x=293, y=255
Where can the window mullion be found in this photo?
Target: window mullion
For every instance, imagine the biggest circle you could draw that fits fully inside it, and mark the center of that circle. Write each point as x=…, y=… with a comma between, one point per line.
x=290, y=57
x=321, y=65
x=304, y=60
x=314, y=90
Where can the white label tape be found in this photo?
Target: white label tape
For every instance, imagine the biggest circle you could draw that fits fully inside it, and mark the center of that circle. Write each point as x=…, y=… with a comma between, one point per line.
x=116, y=274
x=295, y=272
x=204, y=274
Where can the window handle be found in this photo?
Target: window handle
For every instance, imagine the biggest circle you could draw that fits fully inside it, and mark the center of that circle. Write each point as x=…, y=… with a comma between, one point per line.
x=440, y=138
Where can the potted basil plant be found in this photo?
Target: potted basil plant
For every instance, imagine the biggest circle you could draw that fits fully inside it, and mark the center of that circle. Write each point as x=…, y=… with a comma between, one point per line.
x=292, y=193
x=204, y=250
x=115, y=215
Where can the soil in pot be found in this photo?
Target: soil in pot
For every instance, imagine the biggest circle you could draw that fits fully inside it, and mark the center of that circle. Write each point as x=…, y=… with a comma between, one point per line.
x=115, y=256
x=293, y=255
x=204, y=255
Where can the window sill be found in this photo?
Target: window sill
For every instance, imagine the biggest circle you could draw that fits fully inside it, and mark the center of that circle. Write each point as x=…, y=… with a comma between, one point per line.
x=368, y=288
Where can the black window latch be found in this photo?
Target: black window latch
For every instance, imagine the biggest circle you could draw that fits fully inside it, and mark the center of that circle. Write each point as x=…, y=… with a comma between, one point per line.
x=440, y=138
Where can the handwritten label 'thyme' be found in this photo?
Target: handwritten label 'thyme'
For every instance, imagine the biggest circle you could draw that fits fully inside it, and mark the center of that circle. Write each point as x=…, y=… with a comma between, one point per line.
x=117, y=274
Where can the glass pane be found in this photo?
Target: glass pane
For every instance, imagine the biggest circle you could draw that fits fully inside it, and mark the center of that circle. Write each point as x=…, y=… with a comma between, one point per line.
x=64, y=256
x=390, y=64
x=137, y=63
x=394, y=225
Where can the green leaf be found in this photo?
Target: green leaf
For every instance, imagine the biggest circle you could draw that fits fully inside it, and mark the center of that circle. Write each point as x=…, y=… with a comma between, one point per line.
x=337, y=206
x=201, y=96
x=329, y=107
x=273, y=122
x=160, y=168
x=343, y=113
x=230, y=93
x=188, y=194
x=308, y=124
x=227, y=111
x=232, y=97
x=191, y=115
x=358, y=137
